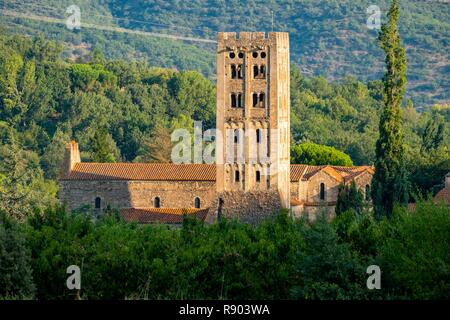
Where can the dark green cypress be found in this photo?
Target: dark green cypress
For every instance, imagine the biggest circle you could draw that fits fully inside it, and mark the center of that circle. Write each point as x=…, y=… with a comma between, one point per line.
x=390, y=182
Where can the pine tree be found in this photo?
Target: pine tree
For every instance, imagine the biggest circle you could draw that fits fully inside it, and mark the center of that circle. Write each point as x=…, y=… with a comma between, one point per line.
x=390, y=182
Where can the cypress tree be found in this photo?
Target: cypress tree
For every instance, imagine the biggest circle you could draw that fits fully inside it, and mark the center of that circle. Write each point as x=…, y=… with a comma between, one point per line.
x=390, y=182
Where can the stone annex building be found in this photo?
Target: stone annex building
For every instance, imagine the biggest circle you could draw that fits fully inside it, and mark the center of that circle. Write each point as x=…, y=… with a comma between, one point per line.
x=253, y=98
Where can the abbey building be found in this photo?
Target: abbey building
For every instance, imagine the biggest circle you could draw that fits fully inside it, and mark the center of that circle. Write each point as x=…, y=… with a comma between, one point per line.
x=252, y=177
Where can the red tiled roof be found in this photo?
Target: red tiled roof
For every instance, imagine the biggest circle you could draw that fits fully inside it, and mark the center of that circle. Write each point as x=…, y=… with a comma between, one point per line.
x=143, y=171
x=161, y=215
x=185, y=172
x=297, y=171
x=443, y=196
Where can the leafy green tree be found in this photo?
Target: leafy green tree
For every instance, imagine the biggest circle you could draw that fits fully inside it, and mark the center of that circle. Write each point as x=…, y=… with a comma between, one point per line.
x=390, y=182
x=415, y=257
x=16, y=280
x=433, y=135
x=314, y=154
x=349, y=198
x=328, y=269
x=158, y=147
x=22, y=186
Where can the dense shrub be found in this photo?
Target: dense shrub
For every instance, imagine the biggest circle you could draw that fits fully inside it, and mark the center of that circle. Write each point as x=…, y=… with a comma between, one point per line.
x=281, y=258
x=16, y=281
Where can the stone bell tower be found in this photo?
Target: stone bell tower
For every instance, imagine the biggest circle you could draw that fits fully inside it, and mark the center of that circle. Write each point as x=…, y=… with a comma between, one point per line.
x=253, y=116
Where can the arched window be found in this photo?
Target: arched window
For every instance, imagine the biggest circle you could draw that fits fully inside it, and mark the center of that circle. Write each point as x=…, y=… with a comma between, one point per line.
x=237, y=176
x=236, y=135
x=98, y=203
x=367, y=192
x=262, y=71
x=157, y=202
x=262, y=99
x=258, y=136
x=255, y=99
x=258, y=176
x=240, y=72
x=240, y=100
x=255, y=72
x=322, y=191
x=233, y=100
x=197, y=203
x=233, y=71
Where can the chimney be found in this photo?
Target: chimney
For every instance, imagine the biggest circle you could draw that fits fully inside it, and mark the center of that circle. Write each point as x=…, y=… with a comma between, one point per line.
x=447, y=180
x=71, y=157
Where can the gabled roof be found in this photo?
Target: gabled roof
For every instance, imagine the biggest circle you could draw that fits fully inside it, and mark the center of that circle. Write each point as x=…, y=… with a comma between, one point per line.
x=161, y=215
x=143, y=172
x=190, y=172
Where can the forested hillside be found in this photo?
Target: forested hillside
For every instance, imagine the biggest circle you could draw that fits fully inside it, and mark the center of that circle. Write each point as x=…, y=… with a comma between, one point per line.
x=328, y=38
x=120, y=111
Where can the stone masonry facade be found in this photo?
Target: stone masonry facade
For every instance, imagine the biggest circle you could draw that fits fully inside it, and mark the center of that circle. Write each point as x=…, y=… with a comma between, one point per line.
x=252, y=178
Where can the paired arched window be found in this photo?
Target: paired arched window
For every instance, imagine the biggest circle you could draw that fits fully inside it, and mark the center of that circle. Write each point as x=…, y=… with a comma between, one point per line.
x=197, y=203
x=237, y=100
x=322, y=191
x=98, y=203
x=259, y=100
x=157, y=202
x=259, y=72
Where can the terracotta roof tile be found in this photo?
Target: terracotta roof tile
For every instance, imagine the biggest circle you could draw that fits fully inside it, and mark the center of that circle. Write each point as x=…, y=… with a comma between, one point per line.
x=297, y=171
x=186, y=172
x=443, y=196
x=161, y=215
x=143, y=171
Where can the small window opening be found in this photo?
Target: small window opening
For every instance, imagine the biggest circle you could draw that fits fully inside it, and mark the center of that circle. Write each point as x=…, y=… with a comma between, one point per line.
x=322, y=191
x=237, y=176
x=98, y=203
x=197, y=203
x=255, y=72
x=157, y=202
x=262, y=98
x=233, y=71
x=233, y=101
x=255, y=99
x=240, y=72
x=258, y=176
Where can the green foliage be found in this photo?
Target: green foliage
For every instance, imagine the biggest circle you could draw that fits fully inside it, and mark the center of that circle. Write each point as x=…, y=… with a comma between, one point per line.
x=327, y=37
x=415, y=255
x=328, y=270
x=314, y=154
x=281, y=258
x=16, y=280
x=390, y=184
x=349, y=199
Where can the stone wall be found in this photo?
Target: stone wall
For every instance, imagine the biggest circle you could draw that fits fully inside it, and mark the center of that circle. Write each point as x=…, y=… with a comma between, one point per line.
x=173, y=194
x=138, y=194
x=247, y=207
x=76, y=193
